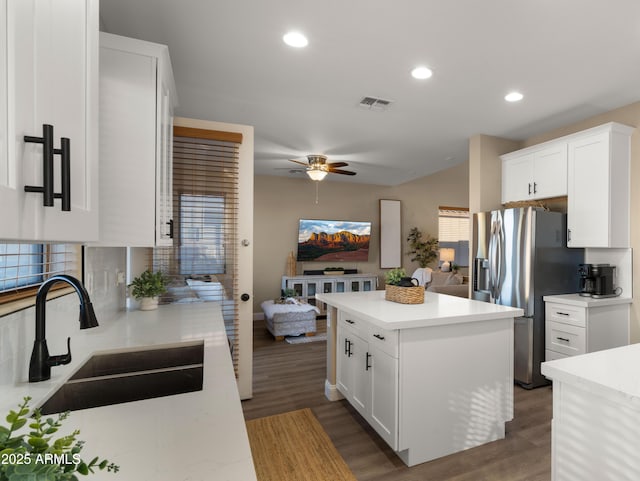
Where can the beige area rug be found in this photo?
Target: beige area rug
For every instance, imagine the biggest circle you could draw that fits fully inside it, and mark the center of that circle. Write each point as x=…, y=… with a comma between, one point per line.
x=294, y=447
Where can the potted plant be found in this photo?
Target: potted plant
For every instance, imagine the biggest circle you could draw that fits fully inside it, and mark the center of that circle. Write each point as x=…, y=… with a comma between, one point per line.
x=425, y=250
x=34, y=454
x=147, y=287
x=400, y=288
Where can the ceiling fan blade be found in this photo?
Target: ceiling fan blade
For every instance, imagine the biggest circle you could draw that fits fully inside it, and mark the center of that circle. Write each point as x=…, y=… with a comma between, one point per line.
x=337, y=164
x=306, y=164
x=340, y=171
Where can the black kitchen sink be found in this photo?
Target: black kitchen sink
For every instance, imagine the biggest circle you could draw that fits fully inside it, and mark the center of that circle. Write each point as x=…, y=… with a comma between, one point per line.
x=156, y=357
x=120, y=377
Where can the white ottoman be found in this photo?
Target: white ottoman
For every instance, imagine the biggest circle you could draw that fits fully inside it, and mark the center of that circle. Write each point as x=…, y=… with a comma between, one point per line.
x=289, y=319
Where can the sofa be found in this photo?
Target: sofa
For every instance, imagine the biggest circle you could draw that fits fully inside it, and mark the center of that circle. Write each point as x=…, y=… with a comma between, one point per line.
x=451, y=283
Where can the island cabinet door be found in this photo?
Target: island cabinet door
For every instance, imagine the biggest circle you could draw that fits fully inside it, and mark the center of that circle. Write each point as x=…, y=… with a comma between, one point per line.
x=361, y=393
x=344, y=363
x=384, y=395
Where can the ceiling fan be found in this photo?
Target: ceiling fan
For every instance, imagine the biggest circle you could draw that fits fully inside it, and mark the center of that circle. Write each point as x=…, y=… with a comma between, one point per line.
x=318, y=168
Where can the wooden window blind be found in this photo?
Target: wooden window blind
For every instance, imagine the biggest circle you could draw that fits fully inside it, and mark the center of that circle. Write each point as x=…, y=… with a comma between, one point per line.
x=201, y=263
x=23, y=267
x=453, y=232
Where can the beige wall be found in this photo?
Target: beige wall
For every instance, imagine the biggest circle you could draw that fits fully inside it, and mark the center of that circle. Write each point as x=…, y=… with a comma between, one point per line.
x=280, y=202
x=629, y=115
x=485, y=171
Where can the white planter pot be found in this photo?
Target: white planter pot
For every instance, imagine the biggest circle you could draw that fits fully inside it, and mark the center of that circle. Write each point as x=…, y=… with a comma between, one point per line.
x=148, y=303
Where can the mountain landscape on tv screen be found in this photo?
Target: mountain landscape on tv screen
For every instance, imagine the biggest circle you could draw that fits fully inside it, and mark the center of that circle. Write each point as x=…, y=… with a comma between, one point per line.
x=338, y=246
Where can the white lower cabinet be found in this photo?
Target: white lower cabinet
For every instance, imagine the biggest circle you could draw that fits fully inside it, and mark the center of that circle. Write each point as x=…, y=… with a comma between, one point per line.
x=571, y=330
x=367, y=374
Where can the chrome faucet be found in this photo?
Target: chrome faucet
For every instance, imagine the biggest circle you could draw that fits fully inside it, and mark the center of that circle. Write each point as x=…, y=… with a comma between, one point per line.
x=41, y=362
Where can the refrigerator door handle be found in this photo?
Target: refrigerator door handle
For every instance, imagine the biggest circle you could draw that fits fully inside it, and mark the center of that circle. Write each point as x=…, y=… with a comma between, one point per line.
x=493, y=259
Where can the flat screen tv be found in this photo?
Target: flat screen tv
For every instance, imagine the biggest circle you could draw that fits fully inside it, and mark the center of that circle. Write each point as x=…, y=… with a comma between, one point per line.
x=333, y=240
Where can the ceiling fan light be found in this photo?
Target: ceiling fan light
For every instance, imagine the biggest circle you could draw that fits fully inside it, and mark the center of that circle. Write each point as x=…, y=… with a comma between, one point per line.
x=316, y=174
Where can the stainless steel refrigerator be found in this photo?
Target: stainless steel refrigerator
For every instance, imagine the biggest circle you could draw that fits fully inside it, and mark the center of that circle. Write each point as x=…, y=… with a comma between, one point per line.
x=521, y=256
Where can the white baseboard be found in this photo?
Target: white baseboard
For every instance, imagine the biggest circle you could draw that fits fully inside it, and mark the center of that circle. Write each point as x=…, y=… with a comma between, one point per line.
x=331, y=391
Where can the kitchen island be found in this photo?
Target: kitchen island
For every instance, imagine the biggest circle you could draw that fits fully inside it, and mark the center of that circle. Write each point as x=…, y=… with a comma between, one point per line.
x=432, y=379
x=595, y=430
x=194, y=436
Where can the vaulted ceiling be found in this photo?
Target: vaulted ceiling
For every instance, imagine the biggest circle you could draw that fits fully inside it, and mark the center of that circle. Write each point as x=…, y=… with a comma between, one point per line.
x=571, y=59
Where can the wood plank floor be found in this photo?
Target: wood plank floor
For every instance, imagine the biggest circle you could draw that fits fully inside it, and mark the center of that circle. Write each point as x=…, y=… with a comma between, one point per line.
x=289, y=377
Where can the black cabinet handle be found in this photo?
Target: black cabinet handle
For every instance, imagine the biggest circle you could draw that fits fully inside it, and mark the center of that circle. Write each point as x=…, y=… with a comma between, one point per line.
x=47, y=168
x=562, y=313
x=562, y=339
x=47, y=165
x=170, y=224
x=346, y=346
x=529, y=188
x=65, y=170
x=535, y=188
x=379, y=337
x=367, y=366
x=349, y=321
x=350, y=344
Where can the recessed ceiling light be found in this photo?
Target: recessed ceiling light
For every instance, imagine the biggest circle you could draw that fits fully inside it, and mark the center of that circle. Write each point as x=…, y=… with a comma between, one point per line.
x=295, y=39
x=421, y=73
x=513, y=97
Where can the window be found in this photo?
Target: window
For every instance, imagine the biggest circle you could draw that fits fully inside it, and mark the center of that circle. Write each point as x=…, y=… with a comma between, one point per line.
x=202, y=234
x=23, y=267
x=453, y=232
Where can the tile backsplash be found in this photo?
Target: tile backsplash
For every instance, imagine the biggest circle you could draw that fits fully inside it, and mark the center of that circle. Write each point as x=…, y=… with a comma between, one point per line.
x=104, y=269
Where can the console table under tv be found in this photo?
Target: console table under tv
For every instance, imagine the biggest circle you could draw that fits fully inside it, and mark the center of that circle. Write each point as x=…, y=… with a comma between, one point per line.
x=307, y=286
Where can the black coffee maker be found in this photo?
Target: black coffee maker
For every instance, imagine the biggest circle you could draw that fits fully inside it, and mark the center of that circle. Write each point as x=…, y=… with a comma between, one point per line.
x=586, y=280
x=596, y=280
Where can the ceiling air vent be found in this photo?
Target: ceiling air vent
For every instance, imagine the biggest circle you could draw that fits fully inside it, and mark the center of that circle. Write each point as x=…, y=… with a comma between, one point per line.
x=373, y=103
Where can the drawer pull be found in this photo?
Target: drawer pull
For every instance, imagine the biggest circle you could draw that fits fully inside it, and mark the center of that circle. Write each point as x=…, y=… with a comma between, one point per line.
x=379, y=337
x=562, y=313
x=349, y=321
x=562, y=339
x=367, y=366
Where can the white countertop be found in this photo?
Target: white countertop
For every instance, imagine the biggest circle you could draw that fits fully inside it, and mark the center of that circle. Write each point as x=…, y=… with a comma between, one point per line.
x=582, y=301
x=437, y=309
x=611, y=373
x=193, y=436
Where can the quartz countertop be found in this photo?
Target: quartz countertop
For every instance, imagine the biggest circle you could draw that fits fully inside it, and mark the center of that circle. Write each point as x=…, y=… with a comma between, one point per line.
x=583, y=301
x=194, y=436
x=437, y=309
x=611, y=373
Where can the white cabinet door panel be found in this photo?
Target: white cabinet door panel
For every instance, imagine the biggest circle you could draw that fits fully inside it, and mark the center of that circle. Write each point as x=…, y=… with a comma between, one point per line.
x=589, y=178
x=52, y=79
x=517, y=178
x=384, y=396
x=550, y=172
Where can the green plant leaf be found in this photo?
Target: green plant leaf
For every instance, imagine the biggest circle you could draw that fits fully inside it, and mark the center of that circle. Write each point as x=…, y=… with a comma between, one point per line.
x=82, y=468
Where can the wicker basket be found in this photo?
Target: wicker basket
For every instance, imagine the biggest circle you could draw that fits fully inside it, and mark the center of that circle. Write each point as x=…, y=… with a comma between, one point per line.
x=404, y=295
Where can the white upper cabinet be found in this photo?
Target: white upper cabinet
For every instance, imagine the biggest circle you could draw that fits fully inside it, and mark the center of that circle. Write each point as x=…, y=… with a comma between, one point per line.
x=598, y=188
x=49, y=62
x=538, y=172
x=137, y=98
